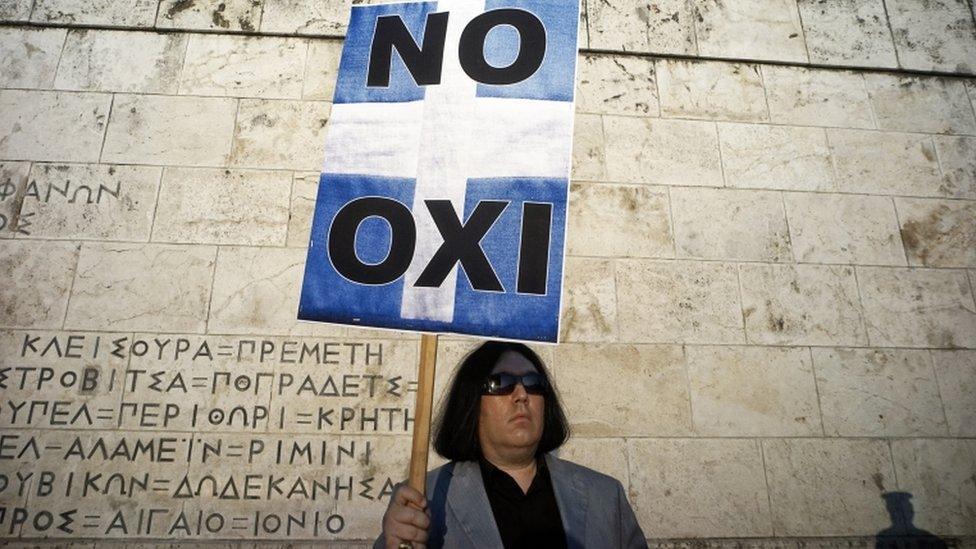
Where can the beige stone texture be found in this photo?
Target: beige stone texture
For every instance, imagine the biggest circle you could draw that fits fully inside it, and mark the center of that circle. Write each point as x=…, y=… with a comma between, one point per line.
x=775, y=157
x=113, y=13
x=619, y=221
x=38, y=276
x=956, y=373
x=299, y=17
x=844, y=228
x=678, y=302
x=207, y=206
x=750, y=29
x=99, y=202
x=14, y=10
x=711, y=90
x=589, y=157
x=121, y=61
x=180, y=131
x=753, y=391
x=659, y=27
x=286, y=135
x=957, y=155
x=801, y=305
x=54, y=126
x=699, y=488
x=730, y=224
x=598, y=405
x=812, y=97
x=666, y=152
x=920, y=104
x=606, y=455
x=616, y=85
x=848, y=32
x=141, y=287
x=29, y=57
x=838, y=481
x=218, y=15
x=938, y=233
x=933, y=35
x=322, y=69
x=304, y=191
x=225, y=65
x=256, y=291
x=13, y=186
x=878, y=393
x=589, y=311
x=939, y=475
x=885, y=163
x=918, y=307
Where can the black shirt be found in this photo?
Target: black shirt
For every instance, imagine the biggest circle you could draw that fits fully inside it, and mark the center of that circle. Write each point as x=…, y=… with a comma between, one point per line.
x=524, y=520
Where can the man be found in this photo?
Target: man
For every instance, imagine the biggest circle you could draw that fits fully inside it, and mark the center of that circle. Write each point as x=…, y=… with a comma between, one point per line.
x=502, y=487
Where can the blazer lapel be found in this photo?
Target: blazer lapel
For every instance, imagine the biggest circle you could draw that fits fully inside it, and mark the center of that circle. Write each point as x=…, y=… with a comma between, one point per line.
x=571, y=499
x=468, y=500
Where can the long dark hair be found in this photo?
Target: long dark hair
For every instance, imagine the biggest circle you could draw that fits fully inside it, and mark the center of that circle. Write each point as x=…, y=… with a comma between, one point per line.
x=456, y=427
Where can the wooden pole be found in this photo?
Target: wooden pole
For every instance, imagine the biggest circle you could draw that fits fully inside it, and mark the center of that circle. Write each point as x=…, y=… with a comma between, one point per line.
x=422, y=412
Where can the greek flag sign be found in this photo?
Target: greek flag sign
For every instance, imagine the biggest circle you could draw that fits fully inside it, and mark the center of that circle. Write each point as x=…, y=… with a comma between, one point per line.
x=442, y=203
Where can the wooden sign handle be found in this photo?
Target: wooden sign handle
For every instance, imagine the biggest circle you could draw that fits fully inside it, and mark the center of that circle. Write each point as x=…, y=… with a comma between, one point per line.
x=422, y=412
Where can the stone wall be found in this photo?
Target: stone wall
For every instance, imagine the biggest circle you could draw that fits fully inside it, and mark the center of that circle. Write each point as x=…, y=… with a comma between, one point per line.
x=769, y=318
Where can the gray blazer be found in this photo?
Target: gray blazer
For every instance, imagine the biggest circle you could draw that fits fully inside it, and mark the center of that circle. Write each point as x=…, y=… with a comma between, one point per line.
x=593, y=508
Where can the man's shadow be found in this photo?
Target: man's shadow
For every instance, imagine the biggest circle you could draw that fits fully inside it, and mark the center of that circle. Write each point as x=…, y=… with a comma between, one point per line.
x=903, y=534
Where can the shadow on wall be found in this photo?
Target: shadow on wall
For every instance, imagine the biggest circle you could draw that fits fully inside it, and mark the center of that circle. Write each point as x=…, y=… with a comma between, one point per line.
x=903, y=534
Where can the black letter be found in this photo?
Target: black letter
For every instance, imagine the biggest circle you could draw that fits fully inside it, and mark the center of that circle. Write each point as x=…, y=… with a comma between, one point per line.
x=462, y=243
x=342, y=240
x=533, y=269
x=532, y=47
x=423, y=63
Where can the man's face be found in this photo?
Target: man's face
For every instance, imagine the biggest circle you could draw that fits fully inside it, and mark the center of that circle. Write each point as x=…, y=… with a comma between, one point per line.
x=511, y=424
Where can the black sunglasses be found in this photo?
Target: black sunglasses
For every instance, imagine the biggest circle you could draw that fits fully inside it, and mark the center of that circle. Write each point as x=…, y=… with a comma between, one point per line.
x=504, y=384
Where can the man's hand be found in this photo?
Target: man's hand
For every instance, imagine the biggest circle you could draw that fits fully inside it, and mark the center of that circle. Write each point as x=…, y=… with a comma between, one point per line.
x=407, y=519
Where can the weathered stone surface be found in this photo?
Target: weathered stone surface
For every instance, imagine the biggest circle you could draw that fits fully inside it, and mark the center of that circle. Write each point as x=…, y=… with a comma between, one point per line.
x=915, y=104
x=38, y=276
x=938, y=474
x=239, y=66
x=115, y=13
x=141, y=287
x=29, y=57
x=918, y=307
x=956, y=373
x=121, y=61
x=15, y=10
x=304, y=191
x=933, y=35
x=730, y=224
x=750, y=29
x=207, y=206
x=589, y=158
x=801, y=305
x=179, y=131
x=667, y=152
x=838, y=481
x=811, y=97
x=256, y=291
x=598, y=405
x=299, y=17
x=938, y=233
x=878, y=393
x=775, y=157
x=280, y=134
x=223, y=15
x=619, y=221
x=55, y=126
x=322, y=69
x=616, y=85
x=843, y=228
x=589, y=311
x=699, y=488
x=661, y=27
x=753, y=391
x=885, y=163
x=957, y=156
x=13, y=186
x=711, y=90
x=606, y=455
x=90, y=202
x=678, y=301
x=848, y=32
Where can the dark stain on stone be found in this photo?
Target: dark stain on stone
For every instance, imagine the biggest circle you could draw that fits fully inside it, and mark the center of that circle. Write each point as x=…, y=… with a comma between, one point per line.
x=878, y=479
x=923, y=236
x=245, y=24
x=218, y=17
x=179, y=6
